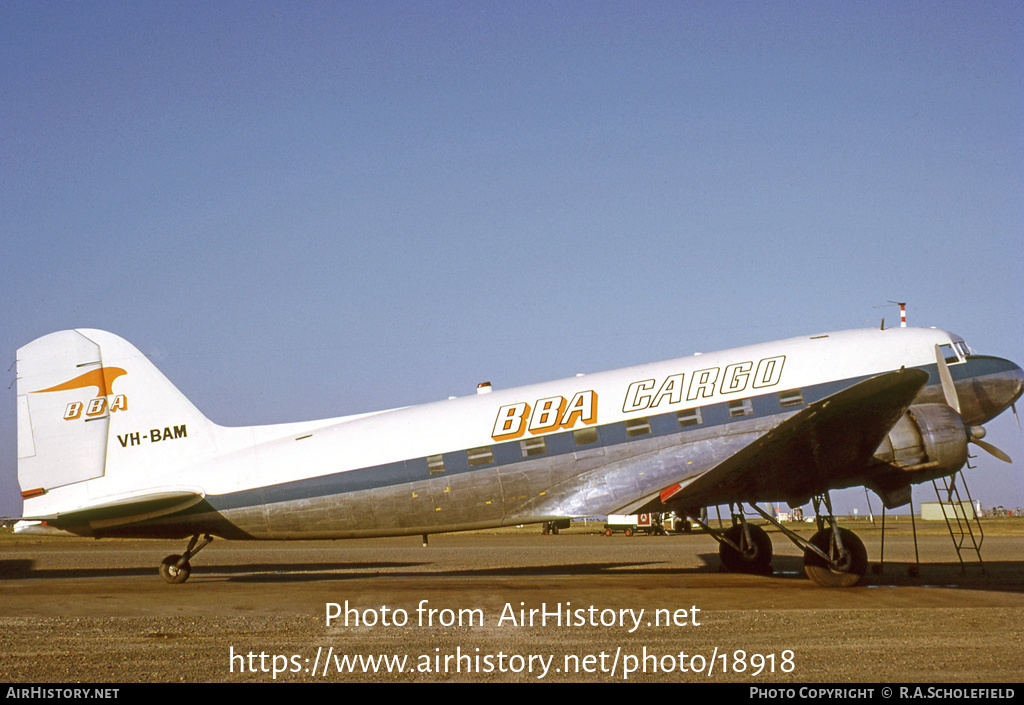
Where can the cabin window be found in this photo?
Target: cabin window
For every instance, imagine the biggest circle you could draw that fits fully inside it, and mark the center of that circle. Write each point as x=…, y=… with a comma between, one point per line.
x=585, y=436
x=479, y=456
x=793, y=397
x=435, y=464
x=638, y=427
x=690, y=417
x=533, y=446
x=740, y=407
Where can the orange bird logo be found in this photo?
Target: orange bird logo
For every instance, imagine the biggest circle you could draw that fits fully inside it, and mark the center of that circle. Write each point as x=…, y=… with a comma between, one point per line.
x=102, y=378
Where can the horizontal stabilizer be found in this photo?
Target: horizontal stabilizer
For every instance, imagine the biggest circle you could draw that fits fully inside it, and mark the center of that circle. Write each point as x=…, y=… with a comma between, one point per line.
x=125, y=509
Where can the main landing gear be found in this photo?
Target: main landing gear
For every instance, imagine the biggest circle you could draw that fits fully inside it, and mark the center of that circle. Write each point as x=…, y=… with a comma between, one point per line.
x=175, y=569
x=833, y=557
x=746, y=548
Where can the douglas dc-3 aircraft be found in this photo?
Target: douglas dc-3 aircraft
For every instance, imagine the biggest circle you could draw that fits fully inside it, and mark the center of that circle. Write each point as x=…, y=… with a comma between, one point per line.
x=107, y=446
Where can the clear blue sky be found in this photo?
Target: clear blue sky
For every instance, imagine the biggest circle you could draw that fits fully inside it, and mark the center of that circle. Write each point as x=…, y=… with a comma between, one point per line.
x=311, y=209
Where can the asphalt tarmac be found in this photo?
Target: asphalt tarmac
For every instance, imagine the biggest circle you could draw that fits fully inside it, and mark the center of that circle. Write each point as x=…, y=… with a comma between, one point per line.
x=505, y=606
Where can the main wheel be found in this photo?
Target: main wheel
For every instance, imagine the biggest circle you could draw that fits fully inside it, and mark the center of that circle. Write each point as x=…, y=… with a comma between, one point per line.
x=171, y=572
x=849, y=568
x=757, y=556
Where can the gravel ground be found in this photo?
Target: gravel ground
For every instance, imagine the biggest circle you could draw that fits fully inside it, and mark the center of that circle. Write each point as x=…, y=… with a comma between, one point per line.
x=95, y=611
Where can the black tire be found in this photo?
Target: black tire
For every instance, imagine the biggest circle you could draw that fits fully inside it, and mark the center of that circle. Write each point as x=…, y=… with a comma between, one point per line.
x=172, y=573
x=850, y=567
x=756, y=559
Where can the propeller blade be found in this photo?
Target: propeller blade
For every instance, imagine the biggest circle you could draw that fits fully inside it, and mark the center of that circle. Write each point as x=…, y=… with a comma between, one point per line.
x=992, y=450
x=948, y=388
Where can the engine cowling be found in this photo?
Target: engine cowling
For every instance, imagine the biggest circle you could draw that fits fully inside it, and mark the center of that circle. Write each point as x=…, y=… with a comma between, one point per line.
x=929, y=438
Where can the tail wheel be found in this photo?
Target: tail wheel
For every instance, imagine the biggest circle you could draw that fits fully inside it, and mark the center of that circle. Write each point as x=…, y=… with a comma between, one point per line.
x=176, y=569
x=847, y=568
x=756, y=557
x=172, y=572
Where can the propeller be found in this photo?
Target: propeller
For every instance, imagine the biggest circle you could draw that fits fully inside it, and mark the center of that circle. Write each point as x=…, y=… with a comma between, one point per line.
x=992, y=450
x=974, y=433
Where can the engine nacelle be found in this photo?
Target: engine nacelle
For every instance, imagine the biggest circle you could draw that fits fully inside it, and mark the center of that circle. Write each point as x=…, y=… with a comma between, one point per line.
x=928, y=437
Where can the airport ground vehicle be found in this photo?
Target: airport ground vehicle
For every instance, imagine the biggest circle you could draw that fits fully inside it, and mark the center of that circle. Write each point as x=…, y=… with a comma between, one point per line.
x=647, y=522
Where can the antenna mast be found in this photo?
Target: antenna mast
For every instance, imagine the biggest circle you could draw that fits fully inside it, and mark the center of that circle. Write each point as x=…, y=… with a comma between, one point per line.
x=903, y=312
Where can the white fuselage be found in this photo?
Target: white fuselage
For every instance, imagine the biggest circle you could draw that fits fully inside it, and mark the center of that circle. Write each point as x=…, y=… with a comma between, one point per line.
x=585, y=445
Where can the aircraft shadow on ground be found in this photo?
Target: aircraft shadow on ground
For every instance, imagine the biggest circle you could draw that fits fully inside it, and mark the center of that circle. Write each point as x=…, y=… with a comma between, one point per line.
x=23, y=569
x=998, y=576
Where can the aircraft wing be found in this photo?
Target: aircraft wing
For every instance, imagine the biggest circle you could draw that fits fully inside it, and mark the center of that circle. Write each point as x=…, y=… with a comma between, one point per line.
x=812, y=451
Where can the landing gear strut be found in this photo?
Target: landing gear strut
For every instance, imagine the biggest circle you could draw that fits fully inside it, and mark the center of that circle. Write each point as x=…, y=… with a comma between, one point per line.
x=834, y=557
x=746, y=548
x=743, y=547
x=175, y=569
x=837, y=558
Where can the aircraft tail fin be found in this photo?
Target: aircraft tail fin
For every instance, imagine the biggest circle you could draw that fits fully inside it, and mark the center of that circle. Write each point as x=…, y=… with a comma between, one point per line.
x=91, y=407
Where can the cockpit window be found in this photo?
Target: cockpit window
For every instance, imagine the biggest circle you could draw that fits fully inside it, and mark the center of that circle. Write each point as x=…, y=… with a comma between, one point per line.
x=948, y=354
x=962, y=348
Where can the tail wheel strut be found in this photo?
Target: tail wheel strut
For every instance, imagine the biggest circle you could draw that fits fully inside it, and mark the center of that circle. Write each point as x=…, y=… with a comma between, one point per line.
x=175, y=568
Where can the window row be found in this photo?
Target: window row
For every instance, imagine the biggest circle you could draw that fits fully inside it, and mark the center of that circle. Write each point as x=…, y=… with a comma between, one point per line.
x=634, y=427
x=529, y=448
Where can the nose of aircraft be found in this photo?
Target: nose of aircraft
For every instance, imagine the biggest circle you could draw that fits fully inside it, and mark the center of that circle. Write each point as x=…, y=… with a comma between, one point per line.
x=994, y=385
x=1007, y=387
x=1018, y=377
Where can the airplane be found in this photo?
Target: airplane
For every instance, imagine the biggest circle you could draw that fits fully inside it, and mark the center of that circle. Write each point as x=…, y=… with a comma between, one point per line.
x=109, y=447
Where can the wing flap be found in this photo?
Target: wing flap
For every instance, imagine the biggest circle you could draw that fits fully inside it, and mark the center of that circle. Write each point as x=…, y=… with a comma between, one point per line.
x=830, y=441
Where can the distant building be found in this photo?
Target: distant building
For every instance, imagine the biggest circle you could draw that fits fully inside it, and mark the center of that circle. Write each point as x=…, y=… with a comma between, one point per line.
x=939, y=511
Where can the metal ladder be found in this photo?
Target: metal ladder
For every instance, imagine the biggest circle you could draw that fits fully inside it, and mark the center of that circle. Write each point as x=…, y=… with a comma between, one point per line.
x=963, y=524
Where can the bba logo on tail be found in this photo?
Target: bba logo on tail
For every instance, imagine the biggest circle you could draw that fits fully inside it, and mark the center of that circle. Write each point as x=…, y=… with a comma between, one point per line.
x=103, y=379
